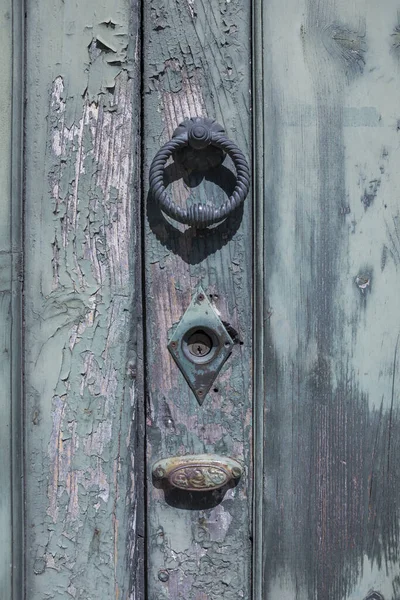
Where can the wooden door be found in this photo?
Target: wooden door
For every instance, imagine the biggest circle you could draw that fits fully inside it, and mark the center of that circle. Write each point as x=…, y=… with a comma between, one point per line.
x=196, y=62
x=326, y=140
x=94, y=279
x=83, y=356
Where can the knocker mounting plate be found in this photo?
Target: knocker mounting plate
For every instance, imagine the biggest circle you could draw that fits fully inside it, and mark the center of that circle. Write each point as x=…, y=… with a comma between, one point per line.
x=200, y=345
x=196, y=156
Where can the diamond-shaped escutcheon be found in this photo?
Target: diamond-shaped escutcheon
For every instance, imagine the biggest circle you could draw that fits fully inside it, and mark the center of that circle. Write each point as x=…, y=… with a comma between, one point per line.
x=200, y=345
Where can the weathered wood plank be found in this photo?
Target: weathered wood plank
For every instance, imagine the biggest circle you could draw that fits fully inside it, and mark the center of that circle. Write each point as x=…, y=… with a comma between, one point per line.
x=11, y=98
x=83, y=332
x=5, y=300
x=5, y=432
x=196, y=62
x=331, y=268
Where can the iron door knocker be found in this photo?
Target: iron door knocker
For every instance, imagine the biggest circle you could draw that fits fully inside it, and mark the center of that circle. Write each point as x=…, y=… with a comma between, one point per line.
x=198, y=133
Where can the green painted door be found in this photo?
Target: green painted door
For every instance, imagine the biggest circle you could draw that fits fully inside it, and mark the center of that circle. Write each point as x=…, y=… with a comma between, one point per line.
x=196, y=59
x=302, y=280
x=327, y=122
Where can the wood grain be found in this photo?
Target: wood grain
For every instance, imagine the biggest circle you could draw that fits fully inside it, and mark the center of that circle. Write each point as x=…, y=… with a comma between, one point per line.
x=196, y=63
x=331, y=254
x=82, y=302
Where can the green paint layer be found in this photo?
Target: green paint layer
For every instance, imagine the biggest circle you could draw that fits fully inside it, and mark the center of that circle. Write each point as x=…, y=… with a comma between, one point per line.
x=196, y=63
x=83, y=374
x=327, y=129
x=11, y=484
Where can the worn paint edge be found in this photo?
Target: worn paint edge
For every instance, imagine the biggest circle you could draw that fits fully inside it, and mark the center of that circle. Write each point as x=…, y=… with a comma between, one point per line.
x=140, y=583
x=16, y=225
x=143, y=591
x=258, y=293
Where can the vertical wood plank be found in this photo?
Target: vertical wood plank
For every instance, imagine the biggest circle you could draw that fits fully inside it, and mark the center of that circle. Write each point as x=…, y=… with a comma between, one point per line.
x=83, y=315
x=5, y=302
x=331, y=268
x=259, y=299
x=196, y=63
x=11, y=98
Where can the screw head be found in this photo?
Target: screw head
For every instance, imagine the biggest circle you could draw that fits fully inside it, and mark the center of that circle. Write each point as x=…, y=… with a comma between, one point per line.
x=236, y=472
x=200, y=297
x=199, y=136
x=159, y=473
x=163, y=575
x=199, y=131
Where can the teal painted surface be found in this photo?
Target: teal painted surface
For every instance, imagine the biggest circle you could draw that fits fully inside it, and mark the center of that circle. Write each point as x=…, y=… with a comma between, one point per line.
x=327, y=142
x=83, y=368
x=5, y=122
x=5, y=300
x=11, y=516
x=196, y=63
x=326, y=254
x=259, y=173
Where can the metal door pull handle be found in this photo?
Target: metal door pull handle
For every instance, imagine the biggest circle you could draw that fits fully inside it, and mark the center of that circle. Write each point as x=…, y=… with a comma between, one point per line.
x=198, y=472
x=198, y=133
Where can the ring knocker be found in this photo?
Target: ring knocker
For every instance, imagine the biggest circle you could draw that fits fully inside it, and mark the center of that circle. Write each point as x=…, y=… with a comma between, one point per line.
x=198, y=133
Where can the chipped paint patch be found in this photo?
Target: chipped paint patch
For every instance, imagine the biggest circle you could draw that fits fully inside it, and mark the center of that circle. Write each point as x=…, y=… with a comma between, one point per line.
x=363, y=282
x=81, y=288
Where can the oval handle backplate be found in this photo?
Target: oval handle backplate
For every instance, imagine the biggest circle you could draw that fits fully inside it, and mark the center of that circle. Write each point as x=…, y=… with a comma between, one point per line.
x=197, y=472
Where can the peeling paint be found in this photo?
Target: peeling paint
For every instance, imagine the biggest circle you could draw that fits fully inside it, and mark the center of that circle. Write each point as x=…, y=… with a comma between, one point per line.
x=82, y=489
x=196, y=63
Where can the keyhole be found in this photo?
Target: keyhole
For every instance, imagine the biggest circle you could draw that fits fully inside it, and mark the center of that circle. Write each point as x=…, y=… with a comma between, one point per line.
x=199, y=343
